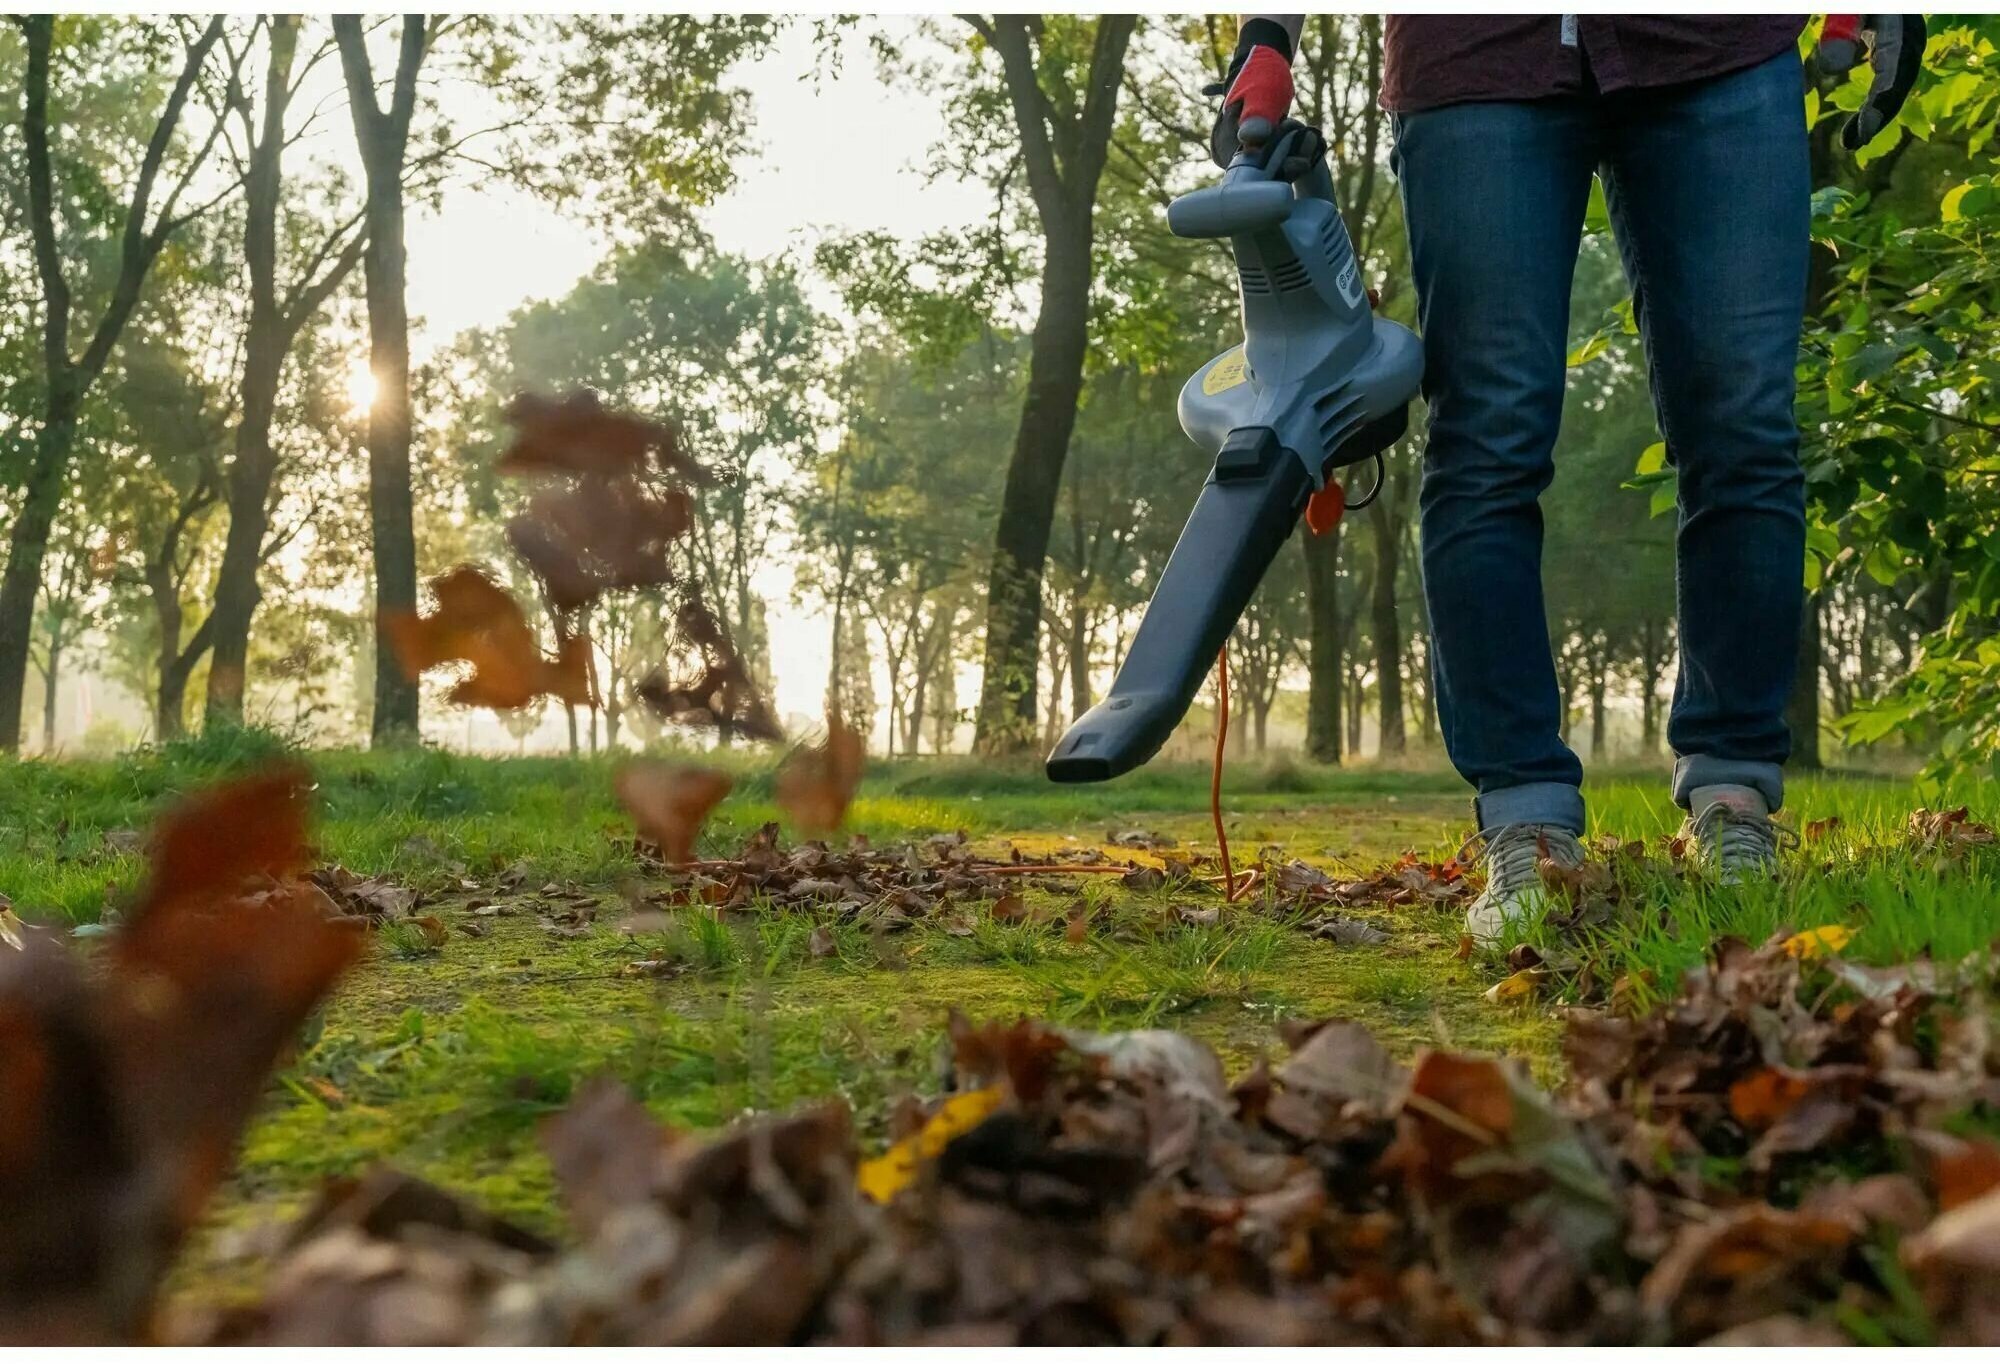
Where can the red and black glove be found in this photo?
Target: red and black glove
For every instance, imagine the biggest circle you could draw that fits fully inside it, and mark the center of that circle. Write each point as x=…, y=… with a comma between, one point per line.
x=1894, y=44
x=1257, y=93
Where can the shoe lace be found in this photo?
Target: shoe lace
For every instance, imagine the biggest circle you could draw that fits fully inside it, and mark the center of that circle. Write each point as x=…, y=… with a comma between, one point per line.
x=1739, y=836
x=1511, y=852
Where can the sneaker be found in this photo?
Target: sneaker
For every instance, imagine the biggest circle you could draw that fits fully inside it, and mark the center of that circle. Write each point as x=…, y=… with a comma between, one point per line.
x=1514, y=889
x=1734, y=835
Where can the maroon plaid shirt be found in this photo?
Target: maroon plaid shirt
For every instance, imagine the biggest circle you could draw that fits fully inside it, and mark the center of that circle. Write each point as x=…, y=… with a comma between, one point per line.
x=1433, y=60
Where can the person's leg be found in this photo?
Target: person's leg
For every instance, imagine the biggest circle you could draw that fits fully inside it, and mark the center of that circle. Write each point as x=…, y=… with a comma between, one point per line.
x=1494, y=197
x=1708, y=187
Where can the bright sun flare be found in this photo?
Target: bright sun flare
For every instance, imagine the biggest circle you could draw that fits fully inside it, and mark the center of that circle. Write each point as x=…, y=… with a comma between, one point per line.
x=361, y=387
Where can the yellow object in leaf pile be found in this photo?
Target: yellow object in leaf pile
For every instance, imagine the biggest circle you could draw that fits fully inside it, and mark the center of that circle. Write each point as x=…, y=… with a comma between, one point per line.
x=1817, y=942
x=891, y=1172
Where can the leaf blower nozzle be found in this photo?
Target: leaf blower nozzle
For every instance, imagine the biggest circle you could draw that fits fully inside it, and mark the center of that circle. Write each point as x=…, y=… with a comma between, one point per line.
x=1319, y=383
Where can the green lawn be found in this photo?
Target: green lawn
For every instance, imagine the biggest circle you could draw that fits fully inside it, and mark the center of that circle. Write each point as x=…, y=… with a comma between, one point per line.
x=444, y=1059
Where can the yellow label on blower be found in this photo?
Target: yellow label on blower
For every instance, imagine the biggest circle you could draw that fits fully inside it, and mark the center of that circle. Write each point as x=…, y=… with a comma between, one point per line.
x=1226, y=373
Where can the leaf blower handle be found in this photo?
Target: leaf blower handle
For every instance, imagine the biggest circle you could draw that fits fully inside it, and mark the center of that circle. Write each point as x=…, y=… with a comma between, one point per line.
x=1257, y=91
x=1894, y=45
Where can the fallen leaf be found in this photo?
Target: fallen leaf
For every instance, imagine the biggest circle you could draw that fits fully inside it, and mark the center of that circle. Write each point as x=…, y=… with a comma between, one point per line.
x=1817, y=829
x=1518, y=988
x=1968, y=1171
x=820, y=942
x=1760, y=1099
x=1817, y=942
x=1347, y=932
x=1009, y=909
x=1143, y=878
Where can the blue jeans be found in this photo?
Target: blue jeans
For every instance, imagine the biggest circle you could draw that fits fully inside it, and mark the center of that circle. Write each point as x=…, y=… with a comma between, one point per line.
x=1707, y=185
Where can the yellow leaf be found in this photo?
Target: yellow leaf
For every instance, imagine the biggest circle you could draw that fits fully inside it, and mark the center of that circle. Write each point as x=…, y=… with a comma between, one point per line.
x=1948, y=207
x=1817, y=942
x=10, y=928
x=1519, y=987
x=891, y=1172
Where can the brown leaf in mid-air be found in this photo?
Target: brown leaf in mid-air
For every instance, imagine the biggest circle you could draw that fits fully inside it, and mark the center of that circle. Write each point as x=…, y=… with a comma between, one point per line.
x=818, y=783
x=598, y=535
x=669, y=804
x=720, y=697
x=123, y=1089
x=575, y=434
x=476, y=621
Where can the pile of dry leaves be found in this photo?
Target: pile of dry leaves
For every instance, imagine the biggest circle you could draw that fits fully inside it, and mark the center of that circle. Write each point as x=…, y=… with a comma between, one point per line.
x=1783, y=1148
x=1107, y=1189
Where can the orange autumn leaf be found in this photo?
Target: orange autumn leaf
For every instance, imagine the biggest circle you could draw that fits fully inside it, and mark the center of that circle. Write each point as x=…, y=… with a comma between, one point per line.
x=669, y=804
x=818, y=783
x=1760, y=1099
x=1968, y=1172
x=477, y=622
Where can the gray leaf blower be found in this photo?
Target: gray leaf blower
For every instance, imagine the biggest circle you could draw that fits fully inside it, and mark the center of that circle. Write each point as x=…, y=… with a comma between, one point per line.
x=1319, y=383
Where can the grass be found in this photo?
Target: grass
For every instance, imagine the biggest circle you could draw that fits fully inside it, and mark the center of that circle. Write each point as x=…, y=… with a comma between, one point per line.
x=444, y=1058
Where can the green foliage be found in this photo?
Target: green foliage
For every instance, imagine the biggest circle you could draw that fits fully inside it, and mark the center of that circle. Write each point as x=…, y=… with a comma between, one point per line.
x=1898, y=401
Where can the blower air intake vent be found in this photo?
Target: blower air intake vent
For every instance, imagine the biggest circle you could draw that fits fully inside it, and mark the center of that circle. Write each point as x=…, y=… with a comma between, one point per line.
x=1329, y=234
x=1254, y=281
x=1292, y=275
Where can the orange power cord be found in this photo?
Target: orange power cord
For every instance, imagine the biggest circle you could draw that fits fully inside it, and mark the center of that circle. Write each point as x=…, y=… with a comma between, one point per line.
x=1230, y=890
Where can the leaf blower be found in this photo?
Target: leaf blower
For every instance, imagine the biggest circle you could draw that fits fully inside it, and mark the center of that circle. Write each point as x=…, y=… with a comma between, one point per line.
x=1318, y=384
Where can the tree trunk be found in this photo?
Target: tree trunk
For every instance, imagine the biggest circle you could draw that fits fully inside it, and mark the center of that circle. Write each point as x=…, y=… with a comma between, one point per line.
x=1802, y=707
x=1388, y=624
x=1354, y=697
x=1326, y=672
x=51, y=676
x=1079, y=663
x=913, y=711
x=383, y=139
x=267, y=340
x=27, y=547
x=1599, y=682
x=1028, y=502
x=1063, y=151
x=391, y=507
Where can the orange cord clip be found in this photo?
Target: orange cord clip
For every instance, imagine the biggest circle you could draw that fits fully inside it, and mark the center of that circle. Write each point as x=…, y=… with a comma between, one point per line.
x=1324, y=509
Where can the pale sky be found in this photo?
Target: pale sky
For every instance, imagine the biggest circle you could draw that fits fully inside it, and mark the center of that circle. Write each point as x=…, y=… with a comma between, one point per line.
x=836, y=154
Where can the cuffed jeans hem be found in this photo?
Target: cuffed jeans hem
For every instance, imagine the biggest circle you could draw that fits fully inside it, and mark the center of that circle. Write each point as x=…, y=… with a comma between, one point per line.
x=1535, y=802
x=1696, y=770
